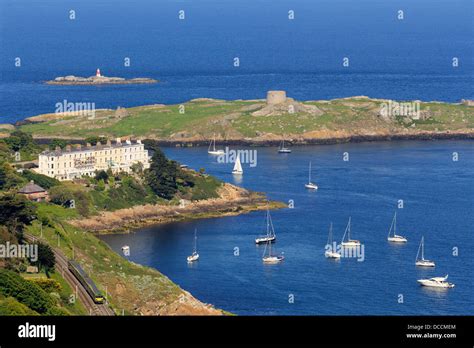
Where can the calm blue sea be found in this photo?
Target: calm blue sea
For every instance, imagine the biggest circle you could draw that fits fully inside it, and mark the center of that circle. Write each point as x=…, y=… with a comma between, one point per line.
x=438, y=202
x=389, y=58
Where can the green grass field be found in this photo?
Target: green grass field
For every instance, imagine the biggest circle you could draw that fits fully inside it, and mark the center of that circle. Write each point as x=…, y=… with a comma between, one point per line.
x=234, y=119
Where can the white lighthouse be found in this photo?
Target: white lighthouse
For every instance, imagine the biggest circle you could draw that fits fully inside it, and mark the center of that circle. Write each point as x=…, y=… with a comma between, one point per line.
x=97, y=73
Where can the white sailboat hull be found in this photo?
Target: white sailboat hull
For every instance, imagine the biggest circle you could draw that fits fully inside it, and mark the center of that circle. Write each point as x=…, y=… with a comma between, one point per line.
x=435, y=284
x=273, y=259
x=216, y=152
x=351, y=243
x=193, y=258
x=311, y=186
x=284, y=151
x=332, y=255
x=263, y=240
x=425, y=263
x=397, y=239
x=237, y=172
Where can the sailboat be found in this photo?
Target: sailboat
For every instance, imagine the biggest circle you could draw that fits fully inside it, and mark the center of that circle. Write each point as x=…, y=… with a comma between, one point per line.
x=194, y=256
x=310, y=185
x=330, y=253
x=436, y=282
x=283, y=149
x=237, y=167
x=422, y=262
x=395, y=237
x=350, y=242
x=212, y=148
x=270, y=237
x=270, y=257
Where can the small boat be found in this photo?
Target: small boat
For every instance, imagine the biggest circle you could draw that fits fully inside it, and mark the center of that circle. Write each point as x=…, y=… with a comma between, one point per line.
x=436, y=282
x=237, y=167
x=270, y=237
x=126, y=250
x=194, y=256
x=283, y=149
x=310, y=185
x=212, y=148
x=270, y=257
x=422, y=262
x=395, y=238
x=350, y=242
x=332, y=254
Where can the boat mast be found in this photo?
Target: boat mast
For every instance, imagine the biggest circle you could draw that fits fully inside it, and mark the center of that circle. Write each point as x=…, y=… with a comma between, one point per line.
x=393, y=225
x=195, y=241
x=423, y=247
x=330, y=235
x=309, y=173
x=349, y=229
x=419, y=247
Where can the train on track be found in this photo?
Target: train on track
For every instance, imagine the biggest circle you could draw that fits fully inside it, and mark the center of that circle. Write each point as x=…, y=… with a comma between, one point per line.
x=87, y=282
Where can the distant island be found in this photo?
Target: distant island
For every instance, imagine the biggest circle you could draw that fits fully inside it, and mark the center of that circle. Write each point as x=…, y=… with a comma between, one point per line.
x=264, y=121
x=98, y=79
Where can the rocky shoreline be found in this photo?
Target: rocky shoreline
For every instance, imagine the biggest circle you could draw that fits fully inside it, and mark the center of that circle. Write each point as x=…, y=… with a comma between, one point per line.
x=232, y=201
x=299, y=140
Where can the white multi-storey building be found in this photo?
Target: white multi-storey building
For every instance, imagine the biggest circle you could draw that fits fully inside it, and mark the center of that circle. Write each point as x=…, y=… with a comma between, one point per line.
x=75, y=162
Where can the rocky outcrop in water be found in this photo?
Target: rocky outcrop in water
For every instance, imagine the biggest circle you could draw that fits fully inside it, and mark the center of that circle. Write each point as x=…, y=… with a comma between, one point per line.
x=98, y=80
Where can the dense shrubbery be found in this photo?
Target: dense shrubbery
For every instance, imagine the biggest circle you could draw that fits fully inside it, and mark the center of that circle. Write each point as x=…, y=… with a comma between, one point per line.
x=8, y=177
x=48, y=285
x=42, y=180
x=10, y=306
x=69, y=196
x=27, y=293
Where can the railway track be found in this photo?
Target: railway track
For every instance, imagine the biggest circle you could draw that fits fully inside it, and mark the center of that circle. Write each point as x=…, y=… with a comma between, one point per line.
x=76, y=286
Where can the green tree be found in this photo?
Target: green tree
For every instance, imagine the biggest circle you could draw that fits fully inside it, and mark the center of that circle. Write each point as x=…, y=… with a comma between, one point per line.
x=19, y=140
x=46, y=258
x=93, y=140
x=57, y=142
x=102, y=175
x=16, y=212
x=8, y=177
x=61, y=195
x=162, y=175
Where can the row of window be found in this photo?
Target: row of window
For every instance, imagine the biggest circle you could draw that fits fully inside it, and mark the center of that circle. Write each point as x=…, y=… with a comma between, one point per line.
x=107, y=152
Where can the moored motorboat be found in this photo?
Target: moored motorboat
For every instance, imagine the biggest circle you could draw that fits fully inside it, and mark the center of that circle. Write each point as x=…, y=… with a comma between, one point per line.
x=436, y=282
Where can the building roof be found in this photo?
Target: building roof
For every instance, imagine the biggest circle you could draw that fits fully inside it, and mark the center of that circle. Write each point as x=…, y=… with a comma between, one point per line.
x=31, y=187
x=98, y=147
